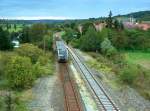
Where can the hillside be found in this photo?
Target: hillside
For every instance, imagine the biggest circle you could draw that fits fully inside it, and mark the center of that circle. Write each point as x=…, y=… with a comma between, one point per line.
x=30, y=21
x=141, y=15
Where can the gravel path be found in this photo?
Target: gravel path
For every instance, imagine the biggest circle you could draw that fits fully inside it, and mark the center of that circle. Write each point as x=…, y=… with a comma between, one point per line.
x=47, y=95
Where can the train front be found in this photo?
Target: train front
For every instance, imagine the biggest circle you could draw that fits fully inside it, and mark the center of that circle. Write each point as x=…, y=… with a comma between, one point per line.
x=62, y=52
x=62, y=55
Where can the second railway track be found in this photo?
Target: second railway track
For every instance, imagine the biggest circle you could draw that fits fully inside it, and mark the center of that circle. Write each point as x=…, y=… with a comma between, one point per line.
x=102, y=98
x=71, y=100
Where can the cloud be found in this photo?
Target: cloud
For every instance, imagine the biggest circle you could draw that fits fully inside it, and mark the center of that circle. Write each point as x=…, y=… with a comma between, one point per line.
x=37, y=18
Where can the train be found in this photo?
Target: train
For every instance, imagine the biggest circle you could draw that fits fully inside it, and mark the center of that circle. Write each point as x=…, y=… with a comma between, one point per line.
x=61, y=51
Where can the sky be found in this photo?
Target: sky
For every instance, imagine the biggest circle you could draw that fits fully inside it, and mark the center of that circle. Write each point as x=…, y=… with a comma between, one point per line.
x=68, y=9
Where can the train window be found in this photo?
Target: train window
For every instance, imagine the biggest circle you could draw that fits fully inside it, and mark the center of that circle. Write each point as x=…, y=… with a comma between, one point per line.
x=61, y=51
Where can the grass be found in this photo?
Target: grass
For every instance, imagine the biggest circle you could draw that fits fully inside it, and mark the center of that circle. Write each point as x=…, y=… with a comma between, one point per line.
x=139, y=58
x=143, y=79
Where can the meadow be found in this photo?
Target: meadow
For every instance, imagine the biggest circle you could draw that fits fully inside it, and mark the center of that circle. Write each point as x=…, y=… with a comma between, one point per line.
x=11, y=27
x=139, y=58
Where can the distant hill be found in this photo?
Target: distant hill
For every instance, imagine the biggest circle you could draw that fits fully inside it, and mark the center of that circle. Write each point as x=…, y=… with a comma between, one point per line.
x=141, y=15
x=30, y=21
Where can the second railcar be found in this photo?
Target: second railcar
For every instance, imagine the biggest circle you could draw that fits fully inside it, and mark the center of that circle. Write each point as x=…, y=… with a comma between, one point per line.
x=62, y=52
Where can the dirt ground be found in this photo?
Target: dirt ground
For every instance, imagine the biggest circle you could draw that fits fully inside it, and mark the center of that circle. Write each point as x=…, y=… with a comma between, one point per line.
x=47, y=94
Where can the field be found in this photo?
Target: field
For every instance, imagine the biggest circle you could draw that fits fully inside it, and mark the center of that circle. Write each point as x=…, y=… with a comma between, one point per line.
x=140, y=58
x=12, y=28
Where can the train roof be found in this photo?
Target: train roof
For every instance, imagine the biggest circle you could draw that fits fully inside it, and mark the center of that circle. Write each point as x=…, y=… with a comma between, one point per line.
x=60, y=45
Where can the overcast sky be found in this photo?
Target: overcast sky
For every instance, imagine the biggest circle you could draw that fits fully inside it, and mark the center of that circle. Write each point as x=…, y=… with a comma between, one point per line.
x=68, y=9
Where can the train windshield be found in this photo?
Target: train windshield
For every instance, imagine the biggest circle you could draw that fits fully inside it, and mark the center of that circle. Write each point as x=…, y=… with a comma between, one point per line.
x=62, y=52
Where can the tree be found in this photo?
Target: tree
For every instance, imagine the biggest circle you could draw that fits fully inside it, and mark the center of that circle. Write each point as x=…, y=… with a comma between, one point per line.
x=48, y=42
x=7, y=26
x=107, y=48
x=19, y=72
x=5, y=42
x=90, y=41
x=37, y=32
x=109, y=20
x=31, y=51
x=15, y=27
x=86, y=26
x=25, y=37
x=137, y=39
x=69, y=35
x=120, y=40
x=116, y=24
x=121, y=25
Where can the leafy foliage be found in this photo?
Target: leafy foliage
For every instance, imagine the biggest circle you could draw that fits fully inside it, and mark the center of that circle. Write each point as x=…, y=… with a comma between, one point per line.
x=107, y=48
x=25, y=37
x=90, y=41
x=19, y=72
x=5, y=42
x=31, y=51
x=69, y=35
x=34, y=34
x=86, y=26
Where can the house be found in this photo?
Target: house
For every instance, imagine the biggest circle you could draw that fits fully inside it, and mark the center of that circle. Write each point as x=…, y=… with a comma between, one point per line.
x=144, y=26
x=15, y=43
x=99, y=26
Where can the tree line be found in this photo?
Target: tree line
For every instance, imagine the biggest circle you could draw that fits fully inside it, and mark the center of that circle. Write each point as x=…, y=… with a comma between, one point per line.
x=113, y=35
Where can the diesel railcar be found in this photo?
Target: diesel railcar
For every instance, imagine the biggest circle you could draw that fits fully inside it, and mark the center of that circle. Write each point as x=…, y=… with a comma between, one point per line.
x=62, y=52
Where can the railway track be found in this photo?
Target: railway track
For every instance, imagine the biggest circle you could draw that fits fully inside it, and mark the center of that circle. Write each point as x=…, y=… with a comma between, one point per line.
x=71, y=99
x=103, y=100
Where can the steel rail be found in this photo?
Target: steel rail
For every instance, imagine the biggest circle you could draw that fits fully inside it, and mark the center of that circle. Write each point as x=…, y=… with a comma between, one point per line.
x=97, y=88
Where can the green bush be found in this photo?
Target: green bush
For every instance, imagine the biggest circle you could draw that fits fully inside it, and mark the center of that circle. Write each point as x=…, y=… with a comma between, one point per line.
x=4, y=59
x=107, y=48
x=31, y=51
x=19, y=72
x=128, y=74
x=43, y=60
x=38, y=70
x=44, y=65
x=75, y=43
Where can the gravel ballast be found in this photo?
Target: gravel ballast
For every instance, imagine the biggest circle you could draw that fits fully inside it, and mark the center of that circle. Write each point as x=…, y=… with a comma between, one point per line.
x=47, y=95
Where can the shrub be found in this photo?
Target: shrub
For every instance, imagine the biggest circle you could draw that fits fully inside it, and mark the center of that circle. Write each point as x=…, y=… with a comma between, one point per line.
x=31, y=51
x=107, y=48
x=4, y=59
x=43, y=60
x=128, y=74
x=38, y=70
x=44, y=65
x=19, y=72
x=75, y=43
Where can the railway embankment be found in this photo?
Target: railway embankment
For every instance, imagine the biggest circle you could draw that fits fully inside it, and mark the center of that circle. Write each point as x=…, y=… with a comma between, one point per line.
x=125, y=96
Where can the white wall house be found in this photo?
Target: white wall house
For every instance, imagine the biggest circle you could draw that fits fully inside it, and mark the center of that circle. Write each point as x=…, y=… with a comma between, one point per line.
x=15, y=43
